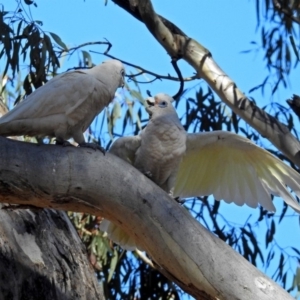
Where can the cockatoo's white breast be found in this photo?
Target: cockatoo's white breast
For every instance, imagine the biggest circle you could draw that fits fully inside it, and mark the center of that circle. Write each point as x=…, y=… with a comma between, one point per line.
x=162, y=147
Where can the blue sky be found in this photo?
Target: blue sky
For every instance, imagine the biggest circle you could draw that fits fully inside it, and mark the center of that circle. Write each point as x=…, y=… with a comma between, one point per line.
x=226, y=28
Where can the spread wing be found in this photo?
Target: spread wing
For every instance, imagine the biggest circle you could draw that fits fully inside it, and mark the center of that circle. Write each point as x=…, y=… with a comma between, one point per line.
x=232, y=168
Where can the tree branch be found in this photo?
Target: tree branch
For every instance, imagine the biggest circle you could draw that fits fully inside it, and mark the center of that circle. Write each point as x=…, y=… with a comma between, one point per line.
x=144, y=71
x=181, y=87
x=84, y=180
x=73, y=49
x=179, y=45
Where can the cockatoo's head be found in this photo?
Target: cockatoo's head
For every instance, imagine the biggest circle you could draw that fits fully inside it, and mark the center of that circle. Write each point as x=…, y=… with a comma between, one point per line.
x=112, y=70
x=161, y=104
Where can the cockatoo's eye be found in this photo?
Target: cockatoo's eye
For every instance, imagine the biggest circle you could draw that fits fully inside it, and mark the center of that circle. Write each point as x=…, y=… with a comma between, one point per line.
x=123, y=73
x=163, y=104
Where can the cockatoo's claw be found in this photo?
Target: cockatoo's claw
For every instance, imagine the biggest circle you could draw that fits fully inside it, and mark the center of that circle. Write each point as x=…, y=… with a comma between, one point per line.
x=63, y=143
x=148, y=174
x=179, y=200
x=93, y=146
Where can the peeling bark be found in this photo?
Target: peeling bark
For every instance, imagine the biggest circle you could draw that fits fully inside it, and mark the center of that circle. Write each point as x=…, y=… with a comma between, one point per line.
x=179, y=45
x=84, y=180
x=42, y=257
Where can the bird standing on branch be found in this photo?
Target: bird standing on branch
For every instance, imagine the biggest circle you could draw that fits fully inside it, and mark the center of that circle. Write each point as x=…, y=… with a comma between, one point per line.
x=223, y=164
x=66, y=105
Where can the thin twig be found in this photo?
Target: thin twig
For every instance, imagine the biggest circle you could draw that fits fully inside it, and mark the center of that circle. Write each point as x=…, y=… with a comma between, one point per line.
x=174, y=64
x=157, y=76
x=73, y=49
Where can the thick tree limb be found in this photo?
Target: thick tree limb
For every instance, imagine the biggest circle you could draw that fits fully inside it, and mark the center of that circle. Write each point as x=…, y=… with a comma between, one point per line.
x=84, y=180
x=179, y=45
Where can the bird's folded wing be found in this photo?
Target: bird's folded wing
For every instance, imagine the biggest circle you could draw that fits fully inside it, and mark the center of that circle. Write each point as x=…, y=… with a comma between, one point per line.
x=126, y=147
x=59, y=96
x=118, y=235
x=232, y=168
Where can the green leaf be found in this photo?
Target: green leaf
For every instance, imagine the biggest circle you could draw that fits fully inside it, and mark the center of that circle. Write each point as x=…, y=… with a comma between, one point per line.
x=41, y=70
x=19, y=27
x=52, y=57
x=39, y=22
x=113, y=264
x=58, y=40
x=116, y=113
x=130, y=110
x=138, y=96
x=294, y=47
x=15, y=57
x=87, y=59
x=138, y=122
x=109, y=124
x=29, y=2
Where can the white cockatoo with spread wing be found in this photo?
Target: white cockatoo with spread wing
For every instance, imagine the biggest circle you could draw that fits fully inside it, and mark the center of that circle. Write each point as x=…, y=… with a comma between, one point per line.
x=223, y=164
x=66, y=105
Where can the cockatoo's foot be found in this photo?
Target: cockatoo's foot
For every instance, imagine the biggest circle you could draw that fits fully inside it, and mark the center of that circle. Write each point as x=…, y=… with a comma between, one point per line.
x=179, y=200
x=148, y=174
x=63, y=143
x=93, y=146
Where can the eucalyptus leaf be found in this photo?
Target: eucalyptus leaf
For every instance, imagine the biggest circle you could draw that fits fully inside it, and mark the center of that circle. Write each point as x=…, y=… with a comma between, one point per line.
x=113, y=264
x=58, y=40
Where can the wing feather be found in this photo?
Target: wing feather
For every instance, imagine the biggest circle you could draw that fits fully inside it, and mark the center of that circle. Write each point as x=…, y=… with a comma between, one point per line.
x=232, y=168
x=118, y=235
x=126, y=147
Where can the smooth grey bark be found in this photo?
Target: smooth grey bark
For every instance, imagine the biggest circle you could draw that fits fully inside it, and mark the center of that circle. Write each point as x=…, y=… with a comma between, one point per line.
x=84, y=180
x=179, y=45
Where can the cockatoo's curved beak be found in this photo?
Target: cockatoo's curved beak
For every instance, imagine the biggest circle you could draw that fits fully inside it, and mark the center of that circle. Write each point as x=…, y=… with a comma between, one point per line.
x=150, y=103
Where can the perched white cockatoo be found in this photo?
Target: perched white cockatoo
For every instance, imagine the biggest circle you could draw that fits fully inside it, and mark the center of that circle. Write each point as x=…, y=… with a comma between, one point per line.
x=223, y=164
x=66, y=105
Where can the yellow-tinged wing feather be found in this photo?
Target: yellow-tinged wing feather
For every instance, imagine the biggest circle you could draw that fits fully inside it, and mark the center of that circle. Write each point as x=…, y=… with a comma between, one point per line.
x=232, y=168
x=118, y=235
